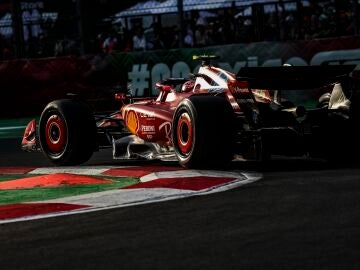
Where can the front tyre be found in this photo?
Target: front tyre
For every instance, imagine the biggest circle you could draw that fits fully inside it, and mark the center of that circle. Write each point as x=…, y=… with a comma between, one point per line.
x=67, y=132
x=203, y=132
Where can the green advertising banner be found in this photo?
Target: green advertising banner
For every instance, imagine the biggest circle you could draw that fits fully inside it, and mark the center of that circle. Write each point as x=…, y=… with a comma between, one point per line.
x=28, y=85
x=143, y=69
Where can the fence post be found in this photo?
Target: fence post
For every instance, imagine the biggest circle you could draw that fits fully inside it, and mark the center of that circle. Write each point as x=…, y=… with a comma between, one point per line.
x=80, y=24
x=356, y=17
x=181, y=22
x=17, y=28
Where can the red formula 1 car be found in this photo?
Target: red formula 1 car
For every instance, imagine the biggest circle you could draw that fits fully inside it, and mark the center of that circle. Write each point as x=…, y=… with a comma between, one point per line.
x=207, y=120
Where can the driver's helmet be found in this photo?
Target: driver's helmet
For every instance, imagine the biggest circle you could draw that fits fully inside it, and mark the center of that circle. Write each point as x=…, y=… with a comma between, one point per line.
x=188, y=86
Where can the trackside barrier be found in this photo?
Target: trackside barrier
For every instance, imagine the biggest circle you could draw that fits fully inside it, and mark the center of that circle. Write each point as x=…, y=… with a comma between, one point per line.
x=28, y=85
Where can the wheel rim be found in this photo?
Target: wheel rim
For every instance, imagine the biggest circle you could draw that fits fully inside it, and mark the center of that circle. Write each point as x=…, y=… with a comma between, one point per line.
x=55, y=134
x=185, y=134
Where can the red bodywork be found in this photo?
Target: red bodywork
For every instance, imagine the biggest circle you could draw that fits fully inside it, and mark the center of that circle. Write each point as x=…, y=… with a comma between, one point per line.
x=29, y=139
x=202, y=131
x=151, y=120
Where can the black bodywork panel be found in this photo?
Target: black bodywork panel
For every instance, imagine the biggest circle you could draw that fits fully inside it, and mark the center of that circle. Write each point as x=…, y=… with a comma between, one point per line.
x=293, y=77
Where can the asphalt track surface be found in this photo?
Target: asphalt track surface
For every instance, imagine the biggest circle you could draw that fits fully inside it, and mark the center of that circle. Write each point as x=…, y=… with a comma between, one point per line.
x=303, y=214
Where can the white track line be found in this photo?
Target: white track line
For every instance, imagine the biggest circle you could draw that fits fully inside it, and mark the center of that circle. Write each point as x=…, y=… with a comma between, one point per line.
x=130, y=197
x=83, y=170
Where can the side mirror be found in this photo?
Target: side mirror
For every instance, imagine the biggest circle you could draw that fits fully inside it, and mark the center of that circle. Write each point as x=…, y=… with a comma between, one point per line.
x=166, y=88
x=163, y=88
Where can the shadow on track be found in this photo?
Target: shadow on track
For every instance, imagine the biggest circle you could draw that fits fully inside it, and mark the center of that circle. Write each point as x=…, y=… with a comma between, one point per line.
x=12, y=155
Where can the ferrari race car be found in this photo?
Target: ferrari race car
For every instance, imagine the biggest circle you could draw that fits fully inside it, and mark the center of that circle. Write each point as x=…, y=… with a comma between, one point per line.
x=208, y=119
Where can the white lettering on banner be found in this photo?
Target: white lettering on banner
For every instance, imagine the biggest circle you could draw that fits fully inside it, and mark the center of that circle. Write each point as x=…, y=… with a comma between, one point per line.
x=180, y=70
x=272, y=63
x=159, y=72
x=234, y=69
x=296, y=61
x=252, y=61
x=33, y=5
x=336, y=56
x=139, y=79
x=140, y=75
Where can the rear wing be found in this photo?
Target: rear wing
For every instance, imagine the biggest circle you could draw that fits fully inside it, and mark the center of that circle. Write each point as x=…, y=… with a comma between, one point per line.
x=293, y=77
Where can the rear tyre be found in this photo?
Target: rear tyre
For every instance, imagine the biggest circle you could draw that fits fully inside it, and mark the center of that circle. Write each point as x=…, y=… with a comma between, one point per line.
x=67, y=132
x=203, y=132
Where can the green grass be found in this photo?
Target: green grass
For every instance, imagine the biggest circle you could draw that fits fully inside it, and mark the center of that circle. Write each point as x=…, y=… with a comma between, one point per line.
x=48, y=193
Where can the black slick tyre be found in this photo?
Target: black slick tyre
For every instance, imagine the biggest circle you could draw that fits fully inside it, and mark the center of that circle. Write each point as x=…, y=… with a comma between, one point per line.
x=67, y=132
x=203, y=132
